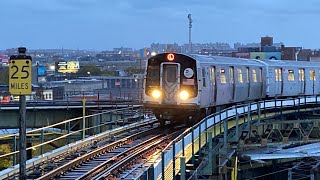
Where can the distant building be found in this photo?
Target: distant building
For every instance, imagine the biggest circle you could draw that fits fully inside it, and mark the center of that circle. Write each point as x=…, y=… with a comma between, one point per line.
x=116, y=54
x=266, y=41
x=248, y=49
x=161, y=48
x=270, y=50
x=245, y=55
x=214, y=52
x=304, y=55
x=237, y=45
x=289, y=53
x=252, y=45
x=315, y=56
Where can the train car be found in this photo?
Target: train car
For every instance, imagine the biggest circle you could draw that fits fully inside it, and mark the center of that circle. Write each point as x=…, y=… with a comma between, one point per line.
x=171, y=88
x=292, y=78
x=181, y=88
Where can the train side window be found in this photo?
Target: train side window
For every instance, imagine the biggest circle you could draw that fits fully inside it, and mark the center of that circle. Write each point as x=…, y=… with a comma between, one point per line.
x=278, y=74
x=312, y=75
x=204, y=77
x=301, y=74
x=254, y=75
x=231, y=75
x=260, y=74
x=290, y=75
x=153, y=76
x=212, y=75
x=247, y=75
x=240, y=79
x=223, y=76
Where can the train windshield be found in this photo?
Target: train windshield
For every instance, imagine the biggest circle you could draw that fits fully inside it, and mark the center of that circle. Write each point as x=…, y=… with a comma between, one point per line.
x=171, y=74
x=187, y=73
x=153, y=74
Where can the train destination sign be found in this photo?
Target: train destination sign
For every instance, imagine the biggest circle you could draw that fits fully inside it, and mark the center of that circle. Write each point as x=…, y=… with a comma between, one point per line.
x=20, y=76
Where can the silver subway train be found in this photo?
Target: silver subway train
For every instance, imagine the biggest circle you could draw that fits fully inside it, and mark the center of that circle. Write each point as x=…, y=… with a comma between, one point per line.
x=180, y=88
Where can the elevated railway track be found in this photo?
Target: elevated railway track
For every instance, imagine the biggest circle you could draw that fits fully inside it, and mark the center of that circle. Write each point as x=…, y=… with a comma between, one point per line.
x=90, y=163
x=227, y=127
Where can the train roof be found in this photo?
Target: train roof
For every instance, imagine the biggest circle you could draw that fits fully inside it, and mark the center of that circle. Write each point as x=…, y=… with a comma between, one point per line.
x=292, y=63
x=225, y=60
x=207, y=59
x=242, y=61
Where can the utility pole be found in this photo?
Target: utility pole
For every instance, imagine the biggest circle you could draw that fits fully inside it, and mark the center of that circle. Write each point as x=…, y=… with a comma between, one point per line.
x=190, y=26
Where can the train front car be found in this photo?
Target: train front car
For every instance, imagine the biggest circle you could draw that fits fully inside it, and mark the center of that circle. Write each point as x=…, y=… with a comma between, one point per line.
x=170, y=88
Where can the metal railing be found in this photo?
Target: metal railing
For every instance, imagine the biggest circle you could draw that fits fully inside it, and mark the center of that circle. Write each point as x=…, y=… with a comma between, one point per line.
x=71, y=96
x=71, y=130
x=195, y=138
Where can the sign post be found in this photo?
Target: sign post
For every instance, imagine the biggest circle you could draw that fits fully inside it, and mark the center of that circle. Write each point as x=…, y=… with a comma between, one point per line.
x=20, y=68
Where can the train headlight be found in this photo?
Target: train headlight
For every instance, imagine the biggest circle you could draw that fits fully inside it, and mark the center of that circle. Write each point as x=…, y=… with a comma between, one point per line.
x=156, y=94
x=184, y=95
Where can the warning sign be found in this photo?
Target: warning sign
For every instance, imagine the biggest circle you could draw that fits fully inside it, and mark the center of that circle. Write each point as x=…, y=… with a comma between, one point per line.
x=20, y=76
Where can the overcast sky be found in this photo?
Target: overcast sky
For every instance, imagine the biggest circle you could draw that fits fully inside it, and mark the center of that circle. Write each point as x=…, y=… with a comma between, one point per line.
x=103, y=24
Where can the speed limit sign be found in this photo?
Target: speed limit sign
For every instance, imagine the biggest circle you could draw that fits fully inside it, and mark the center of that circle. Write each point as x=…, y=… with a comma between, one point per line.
x=20, y=76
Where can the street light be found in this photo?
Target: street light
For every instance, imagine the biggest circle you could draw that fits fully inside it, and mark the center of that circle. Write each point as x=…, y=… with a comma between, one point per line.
x=190, y=26
x=89, y=73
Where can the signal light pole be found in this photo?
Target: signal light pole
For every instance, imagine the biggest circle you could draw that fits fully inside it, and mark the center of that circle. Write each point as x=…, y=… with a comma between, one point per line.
x=190, y=26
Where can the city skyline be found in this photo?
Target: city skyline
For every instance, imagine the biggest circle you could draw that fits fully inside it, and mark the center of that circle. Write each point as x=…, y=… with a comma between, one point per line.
x=101, y=25
x=150, y=47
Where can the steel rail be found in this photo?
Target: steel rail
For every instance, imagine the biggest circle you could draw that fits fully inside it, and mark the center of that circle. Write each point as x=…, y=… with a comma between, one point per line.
x=131, y=153
x=91, y=155
x=75, y=147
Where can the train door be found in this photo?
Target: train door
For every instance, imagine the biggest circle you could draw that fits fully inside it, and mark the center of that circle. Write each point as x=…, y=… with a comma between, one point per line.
x=205, y=91
x=278, y=81
x=170, y=82
x=248, y=81
x=313, y=79
x=213, y=89
x=301, y=81
x=260, y=81
x=232, y=84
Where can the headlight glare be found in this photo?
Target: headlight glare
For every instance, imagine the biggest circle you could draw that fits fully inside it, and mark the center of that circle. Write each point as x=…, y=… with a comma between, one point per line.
x=184, y=95
x=156, y=94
